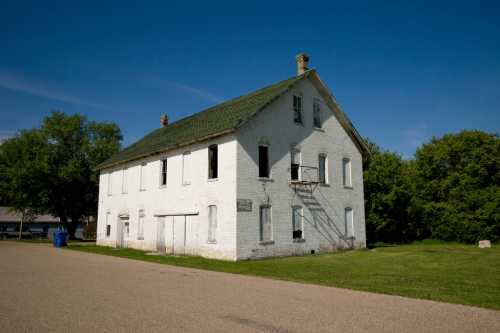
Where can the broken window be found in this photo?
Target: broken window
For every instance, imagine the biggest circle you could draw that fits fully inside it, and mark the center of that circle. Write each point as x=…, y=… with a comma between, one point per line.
x=265, y=224
x=297, y=222
x=140, y=225
x=346, y=172
x=212, y=223
x=213, y=161
x=316, y=114
x=295, y=165
x=349, y=222
x=186, y=168
x=264, y=161
x=297, y=109
x=163, y=174
x=322, y=169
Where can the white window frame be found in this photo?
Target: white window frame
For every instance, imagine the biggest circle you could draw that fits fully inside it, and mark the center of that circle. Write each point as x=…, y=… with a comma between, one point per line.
x=163, y=170
x=124, y=180
x=301, y=217
x=347, y=172
x=317, y=108
x=142, y=177
x=108, y=224
x=186, y=168
x=140, y=224
x=261, y=226
x=212, y=224
x=298, y=108
x=349, y=222
x=110, y=184
x=325, y=156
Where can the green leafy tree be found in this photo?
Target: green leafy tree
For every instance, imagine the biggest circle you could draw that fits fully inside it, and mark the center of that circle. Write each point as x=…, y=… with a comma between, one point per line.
x=62, y=170
x=459, y=184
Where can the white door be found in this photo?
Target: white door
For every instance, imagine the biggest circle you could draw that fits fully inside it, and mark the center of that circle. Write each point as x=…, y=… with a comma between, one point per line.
x=119, y=233
x=160, y=236
x=180, y=235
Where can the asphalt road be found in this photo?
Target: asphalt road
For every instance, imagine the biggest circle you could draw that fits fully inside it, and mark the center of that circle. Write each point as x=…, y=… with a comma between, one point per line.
x=44, y=289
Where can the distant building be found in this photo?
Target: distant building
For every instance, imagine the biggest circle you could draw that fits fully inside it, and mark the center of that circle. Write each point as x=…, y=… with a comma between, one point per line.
x=272, y=173
x=42, y=226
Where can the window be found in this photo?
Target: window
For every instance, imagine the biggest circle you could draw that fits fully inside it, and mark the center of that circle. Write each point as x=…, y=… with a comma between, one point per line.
x=264, y=161
x=127, y=228
x=213, y=161
x=163, y=172
x=346, y=172
x=212, y=223
x=186, y=168
x=142, y=177
x=140, y=224
x=323, y=169
x=265, y=224
x=297, y=109
x=108, y=226
x=124, y=181
x=349, y=222
x=316, y=114
x=110, y=189
x=295, y=164
x=297, y=222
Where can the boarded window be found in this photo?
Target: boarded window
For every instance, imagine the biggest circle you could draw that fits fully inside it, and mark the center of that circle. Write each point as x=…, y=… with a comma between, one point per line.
x=212, y=223
x=265, y=224
x=264, y=161
x=349, y=222
x=213, y=162
x=322, y=169
x=297, y=222
x=186, y=168
x=295, y=164
x=316, y=114
x=110, y=189
x=346, y=172
x=140, y=224
x=108, y=225
x=163, y=174
x=142, y=177
x=124, y=180
x=297, y=109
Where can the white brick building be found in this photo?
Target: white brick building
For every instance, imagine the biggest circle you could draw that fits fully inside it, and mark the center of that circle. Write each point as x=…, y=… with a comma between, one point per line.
x=275, y=172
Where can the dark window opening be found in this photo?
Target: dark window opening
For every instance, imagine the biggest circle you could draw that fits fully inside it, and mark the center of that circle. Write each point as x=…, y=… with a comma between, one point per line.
x=322, y=169
x=164, y=172
x=108, y=230
x=264, y=161
x=316, y=115
x=213, y=162
x=295, y=165
x=297, y=109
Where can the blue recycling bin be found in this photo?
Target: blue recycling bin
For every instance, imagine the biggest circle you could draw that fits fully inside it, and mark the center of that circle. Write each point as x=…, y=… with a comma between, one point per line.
x=60, y=238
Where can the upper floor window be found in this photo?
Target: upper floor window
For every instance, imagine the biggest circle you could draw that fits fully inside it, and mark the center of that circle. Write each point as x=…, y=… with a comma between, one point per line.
x=316, y=114
x=295, y=164
x=163, y=172
x=186, y=168
x=213, y=162
x=323, y=169
x=346, y=172
x=142, y=177
x=110, y=184
x=263, y=161
x=212, y=223
x=124, y=180
x=297, y=109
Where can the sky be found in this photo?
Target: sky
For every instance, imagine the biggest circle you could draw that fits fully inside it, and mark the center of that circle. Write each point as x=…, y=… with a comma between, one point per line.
x=403, y=72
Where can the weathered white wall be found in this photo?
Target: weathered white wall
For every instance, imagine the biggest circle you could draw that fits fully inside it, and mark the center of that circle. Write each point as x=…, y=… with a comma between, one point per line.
x=324, y=225
x=175, y=198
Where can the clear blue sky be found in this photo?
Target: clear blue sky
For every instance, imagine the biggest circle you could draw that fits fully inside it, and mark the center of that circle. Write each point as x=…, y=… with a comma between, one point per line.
x=402, y=72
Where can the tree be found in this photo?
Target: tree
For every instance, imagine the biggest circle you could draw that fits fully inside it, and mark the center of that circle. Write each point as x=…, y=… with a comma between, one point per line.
x=389, y=198
x=64, y=159
x=459, y=184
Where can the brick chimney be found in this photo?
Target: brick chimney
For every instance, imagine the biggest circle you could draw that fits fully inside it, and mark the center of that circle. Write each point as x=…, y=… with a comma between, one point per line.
x=164, y=120
x=302, y=60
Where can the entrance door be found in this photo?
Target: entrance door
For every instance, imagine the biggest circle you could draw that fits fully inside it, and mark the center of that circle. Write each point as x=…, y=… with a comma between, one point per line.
x=160, y=236
x=122, y=231
x=179, y=235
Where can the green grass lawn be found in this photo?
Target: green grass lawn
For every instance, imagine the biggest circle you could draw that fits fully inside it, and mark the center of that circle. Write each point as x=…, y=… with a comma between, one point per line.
x=452, y=273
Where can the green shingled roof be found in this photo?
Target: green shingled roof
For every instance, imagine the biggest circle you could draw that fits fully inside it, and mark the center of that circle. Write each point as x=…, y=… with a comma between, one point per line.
x=219, y=119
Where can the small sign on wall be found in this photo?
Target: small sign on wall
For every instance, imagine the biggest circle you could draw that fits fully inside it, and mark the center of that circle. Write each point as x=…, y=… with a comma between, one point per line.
x=244, y=205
